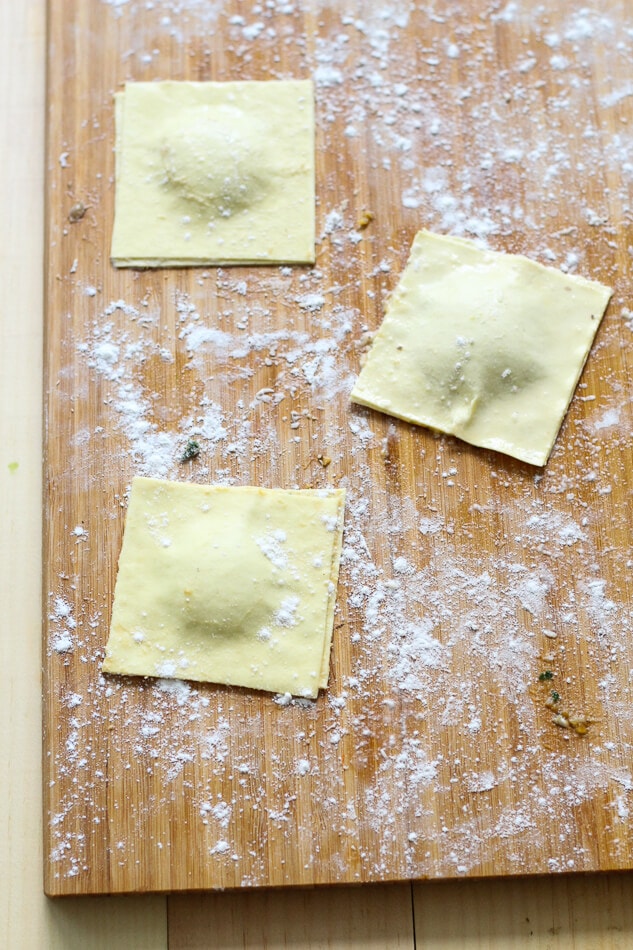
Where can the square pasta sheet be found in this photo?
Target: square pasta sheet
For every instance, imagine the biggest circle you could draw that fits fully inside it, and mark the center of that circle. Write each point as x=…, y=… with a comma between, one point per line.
x=212, y=172
x=482, y=345
x=227, y=585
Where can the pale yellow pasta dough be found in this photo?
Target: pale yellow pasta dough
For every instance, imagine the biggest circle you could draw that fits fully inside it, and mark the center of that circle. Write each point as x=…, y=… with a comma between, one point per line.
x=227, y=585
x=483, y=345
x=211, y=172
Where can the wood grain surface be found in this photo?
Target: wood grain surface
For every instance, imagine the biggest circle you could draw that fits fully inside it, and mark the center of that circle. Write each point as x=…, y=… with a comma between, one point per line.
x=433, y=752
x=582, y=912
x=28, y=921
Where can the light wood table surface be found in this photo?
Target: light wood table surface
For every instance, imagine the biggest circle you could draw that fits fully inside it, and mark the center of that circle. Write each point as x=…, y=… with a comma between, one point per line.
x=586, y=913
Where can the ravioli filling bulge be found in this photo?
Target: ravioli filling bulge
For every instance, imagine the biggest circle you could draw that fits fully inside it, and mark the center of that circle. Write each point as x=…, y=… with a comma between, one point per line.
x=482, y=345
x=228, y=585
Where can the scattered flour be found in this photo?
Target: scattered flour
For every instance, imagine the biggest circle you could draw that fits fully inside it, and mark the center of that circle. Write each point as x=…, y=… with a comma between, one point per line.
x=417, y=601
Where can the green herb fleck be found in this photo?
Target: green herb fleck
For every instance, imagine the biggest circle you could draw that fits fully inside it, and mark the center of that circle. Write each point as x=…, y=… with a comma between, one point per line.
x=77, y=212
x=13, y=466
x=547, y=675
x=192, y=450
x=555, y=696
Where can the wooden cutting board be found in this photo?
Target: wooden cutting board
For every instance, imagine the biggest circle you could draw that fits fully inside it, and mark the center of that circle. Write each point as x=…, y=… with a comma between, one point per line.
x=466, y=575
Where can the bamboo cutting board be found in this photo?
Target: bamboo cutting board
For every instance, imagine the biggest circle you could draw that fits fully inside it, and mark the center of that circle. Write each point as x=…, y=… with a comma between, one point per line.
x=465, y=575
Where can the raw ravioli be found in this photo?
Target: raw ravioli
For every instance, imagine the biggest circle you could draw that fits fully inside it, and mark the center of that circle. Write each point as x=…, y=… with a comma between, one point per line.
x=227, y=585
x=483, y=345
x=212, y=172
